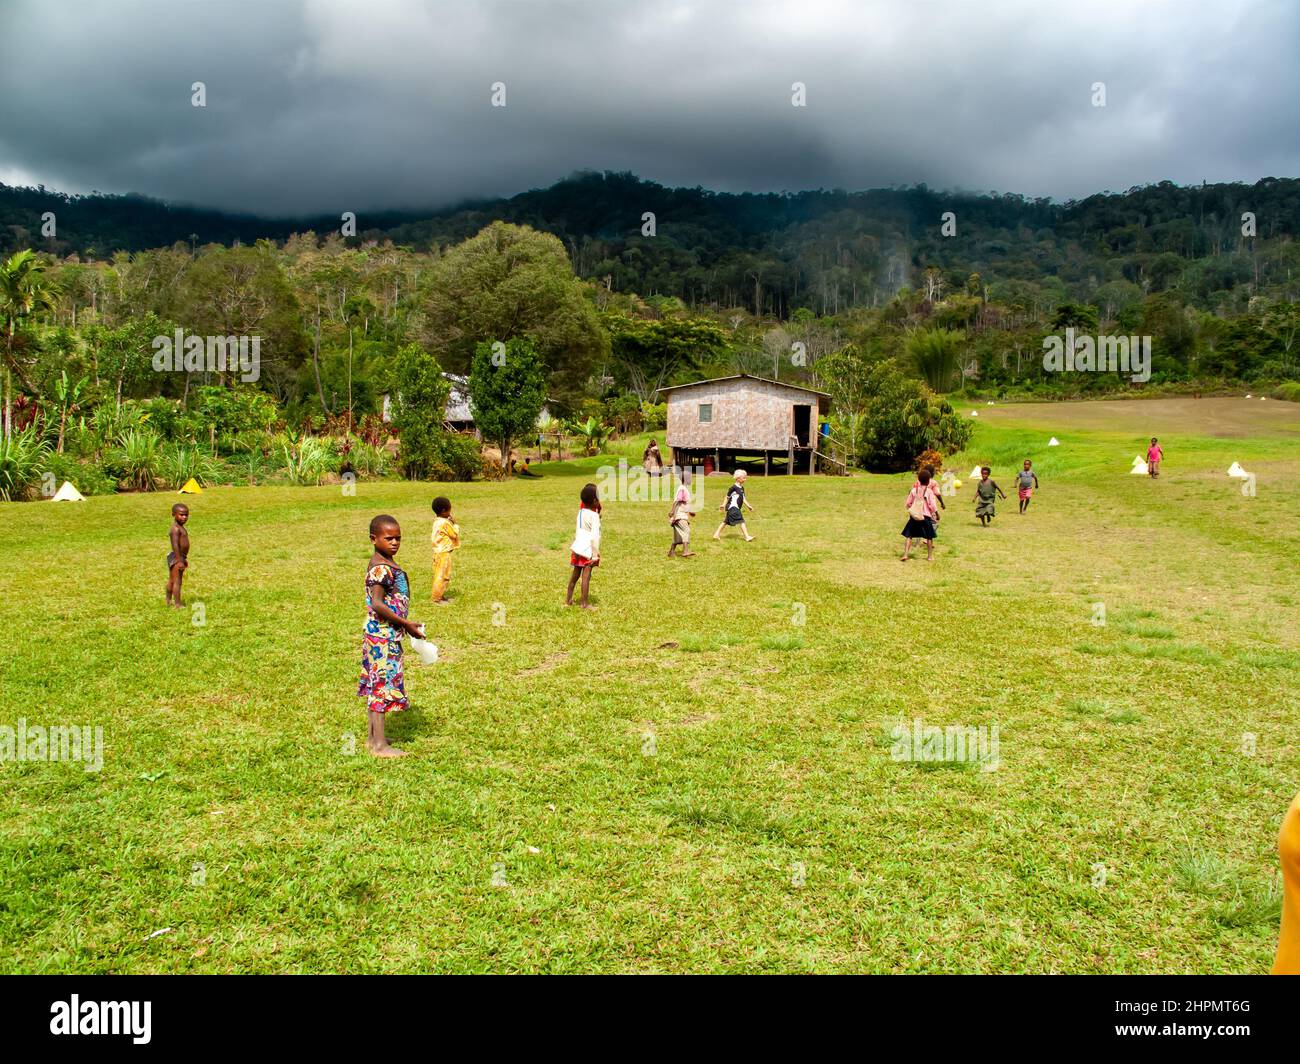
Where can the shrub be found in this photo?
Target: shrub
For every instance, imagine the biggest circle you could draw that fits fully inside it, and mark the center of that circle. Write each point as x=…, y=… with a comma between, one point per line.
x=1288, y=390
x=624, y=413
x=654, y=416
x=86, y=477
x=23, y=459
x=307, y=461
x=172, y=421
x=230, y=411
x=136, y=459
x=460, y=455
x=365, y=459
x=928, y=459
x=177, y=464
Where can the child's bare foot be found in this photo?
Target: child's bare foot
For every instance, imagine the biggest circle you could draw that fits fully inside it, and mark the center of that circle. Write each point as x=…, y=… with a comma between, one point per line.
x=717, y=537
x=387, y=751
x=903, y=558
x=749, y=539
x=587, y=606
x=691, y=555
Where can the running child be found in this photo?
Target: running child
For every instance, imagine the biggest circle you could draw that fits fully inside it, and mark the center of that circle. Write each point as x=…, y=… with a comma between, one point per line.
x=986, y=493
x=922, y=513
x=446, y=538
x=1155, y=455
x=734, y=506
x=178, y=556
x=388, y=596
x=1027, y=484
x=584, y=554
x=933, y=489
x=679, y=518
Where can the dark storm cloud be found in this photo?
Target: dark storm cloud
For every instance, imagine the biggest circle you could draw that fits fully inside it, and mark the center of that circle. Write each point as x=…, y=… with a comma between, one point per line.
x=325, y=105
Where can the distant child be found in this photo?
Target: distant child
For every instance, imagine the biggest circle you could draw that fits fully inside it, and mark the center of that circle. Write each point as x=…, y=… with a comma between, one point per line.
x=922, y=513
x=986, y=492
x=1027, y=483
x=734, y=507
x=178, y=556
x=446, y=538
x=1154, y=457
x=388, y=595
x=679, y=518
x=584, y=554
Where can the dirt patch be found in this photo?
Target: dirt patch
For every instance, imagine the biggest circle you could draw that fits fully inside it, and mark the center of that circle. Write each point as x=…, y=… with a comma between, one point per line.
x=1221, y=417
x=553, y=662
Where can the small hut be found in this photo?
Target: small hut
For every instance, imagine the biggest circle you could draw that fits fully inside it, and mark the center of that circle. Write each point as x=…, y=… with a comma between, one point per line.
x=716, y=422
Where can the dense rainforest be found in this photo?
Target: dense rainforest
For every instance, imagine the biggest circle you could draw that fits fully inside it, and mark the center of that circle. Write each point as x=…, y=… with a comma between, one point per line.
x=618, y=286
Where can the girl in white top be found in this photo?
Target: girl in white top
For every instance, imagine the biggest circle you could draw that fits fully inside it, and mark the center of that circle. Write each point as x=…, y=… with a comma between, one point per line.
x=584, y=555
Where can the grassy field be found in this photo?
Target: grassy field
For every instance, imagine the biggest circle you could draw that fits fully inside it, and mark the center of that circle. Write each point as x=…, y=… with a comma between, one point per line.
x=685, y=779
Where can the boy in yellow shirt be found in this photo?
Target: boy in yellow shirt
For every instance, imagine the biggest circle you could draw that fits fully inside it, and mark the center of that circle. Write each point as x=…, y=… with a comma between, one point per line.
x=446, y=538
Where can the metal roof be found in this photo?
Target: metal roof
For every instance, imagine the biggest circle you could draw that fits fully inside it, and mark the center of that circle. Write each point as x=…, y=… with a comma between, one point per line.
x=746, y=377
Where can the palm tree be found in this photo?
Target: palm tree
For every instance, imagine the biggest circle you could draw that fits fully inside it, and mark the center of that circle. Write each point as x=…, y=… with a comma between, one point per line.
x=935, y=354
x=25, y=291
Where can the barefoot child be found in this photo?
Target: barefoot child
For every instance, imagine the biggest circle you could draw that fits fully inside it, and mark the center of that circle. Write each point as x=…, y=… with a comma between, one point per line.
x=986, y=493
x=679, y=519
x=1026, y=483
x=921, y=516
x=388, y=593
x=1155, y=455
x=178, y=557
x=584, y=554
x=446, y=538
x=734, y=506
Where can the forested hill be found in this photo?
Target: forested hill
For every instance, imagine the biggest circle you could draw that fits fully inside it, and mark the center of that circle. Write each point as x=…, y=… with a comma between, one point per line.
x=772, y=253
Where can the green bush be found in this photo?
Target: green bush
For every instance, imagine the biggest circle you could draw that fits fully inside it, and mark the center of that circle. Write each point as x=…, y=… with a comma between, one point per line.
x=654, y=416
x=86, y=477
x=172, y=421
x=459, y=455
x=136, y=459
x=1288, y=390
x=364, y=459
x=177, y=464
x=232, y=410
x=23, y=457
x=307, y=461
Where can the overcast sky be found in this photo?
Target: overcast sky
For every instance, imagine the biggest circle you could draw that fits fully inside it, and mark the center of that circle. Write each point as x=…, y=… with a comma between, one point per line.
x=333, y=105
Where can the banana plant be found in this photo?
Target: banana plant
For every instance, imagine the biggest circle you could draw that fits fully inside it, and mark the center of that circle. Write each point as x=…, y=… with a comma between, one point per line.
x=68, y=397
x=593, y=434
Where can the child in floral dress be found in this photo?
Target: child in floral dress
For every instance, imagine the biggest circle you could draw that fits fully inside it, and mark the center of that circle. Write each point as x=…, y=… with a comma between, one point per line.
x=388, y=593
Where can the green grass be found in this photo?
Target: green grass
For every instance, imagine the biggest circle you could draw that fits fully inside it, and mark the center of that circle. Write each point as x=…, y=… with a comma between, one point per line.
x=640, y=781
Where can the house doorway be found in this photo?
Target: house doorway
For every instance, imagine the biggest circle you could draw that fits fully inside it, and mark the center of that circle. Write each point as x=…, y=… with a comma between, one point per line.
x=802, y=424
